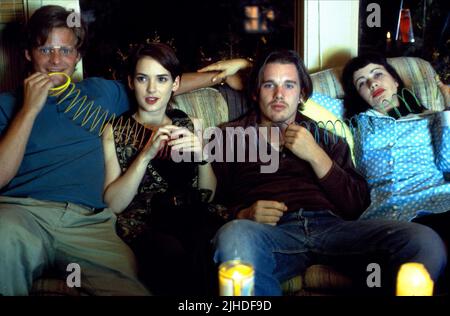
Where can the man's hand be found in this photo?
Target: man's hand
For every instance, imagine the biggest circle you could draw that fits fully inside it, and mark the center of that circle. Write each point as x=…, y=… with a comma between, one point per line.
x=36, y=88
x=264, y=212
x=301, y=143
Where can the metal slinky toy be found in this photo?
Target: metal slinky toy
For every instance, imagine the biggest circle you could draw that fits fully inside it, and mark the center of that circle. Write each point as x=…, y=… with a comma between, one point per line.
x=96, y=118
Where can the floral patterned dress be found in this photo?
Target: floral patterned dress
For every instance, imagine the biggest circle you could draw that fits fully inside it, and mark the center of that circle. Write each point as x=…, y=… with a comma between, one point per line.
x=161, y=174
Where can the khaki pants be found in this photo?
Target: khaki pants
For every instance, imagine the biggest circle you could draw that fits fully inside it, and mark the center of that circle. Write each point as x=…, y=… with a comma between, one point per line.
x=36, y=235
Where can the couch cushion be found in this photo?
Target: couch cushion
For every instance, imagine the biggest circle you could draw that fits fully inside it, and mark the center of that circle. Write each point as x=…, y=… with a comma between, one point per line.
x=417, y=74
x=335, y=106
x=329, y=121
x=328, y=82
x=206, y=103
x=53, y=287
x=293, y=285
x=316, y=280
x=325, y=277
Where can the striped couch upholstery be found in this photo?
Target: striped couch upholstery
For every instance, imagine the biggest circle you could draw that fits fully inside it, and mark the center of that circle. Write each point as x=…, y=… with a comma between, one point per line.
x=210, y=105
x=417, y=74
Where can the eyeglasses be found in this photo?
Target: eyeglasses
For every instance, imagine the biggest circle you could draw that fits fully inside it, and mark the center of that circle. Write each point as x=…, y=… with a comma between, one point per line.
x=62, y=50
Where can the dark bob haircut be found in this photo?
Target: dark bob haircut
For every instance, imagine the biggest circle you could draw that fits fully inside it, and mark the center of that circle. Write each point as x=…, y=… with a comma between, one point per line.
x=353, y=102
x=160, y=52
x=281, y=57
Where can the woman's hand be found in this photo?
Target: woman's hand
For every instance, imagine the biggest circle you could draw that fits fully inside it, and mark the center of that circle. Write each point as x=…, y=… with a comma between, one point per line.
x=156, y=143
x=226, y=68
x=183, y=140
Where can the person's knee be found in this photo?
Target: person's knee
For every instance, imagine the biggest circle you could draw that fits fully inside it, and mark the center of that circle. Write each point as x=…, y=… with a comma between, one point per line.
x=237, y=231
x=17, y=230
x=428, y=240
x=236, y=238
x=429, y=249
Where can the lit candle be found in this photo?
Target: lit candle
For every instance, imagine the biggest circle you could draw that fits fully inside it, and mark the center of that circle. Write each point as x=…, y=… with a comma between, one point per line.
x=388, y=42
x=413, y=280
x=236, y=278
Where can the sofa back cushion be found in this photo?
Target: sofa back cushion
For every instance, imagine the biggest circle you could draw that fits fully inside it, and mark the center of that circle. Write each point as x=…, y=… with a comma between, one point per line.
x=326, y=119
x=206, y=104
x=417, y=74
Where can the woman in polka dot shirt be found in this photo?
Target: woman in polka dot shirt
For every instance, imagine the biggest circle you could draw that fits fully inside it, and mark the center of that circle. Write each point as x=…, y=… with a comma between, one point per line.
x=402, y=149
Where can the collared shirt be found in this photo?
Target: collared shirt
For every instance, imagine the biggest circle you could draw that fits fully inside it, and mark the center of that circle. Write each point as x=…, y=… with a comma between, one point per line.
x=400, y=159
x=342, y=190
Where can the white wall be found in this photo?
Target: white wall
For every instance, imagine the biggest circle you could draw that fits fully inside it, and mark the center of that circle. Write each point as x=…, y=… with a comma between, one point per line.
x=327, y=32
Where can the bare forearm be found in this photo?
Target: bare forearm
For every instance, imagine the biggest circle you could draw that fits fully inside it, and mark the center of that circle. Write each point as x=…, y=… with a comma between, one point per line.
x=195, y=80
x=13, y=145
x=119, y=194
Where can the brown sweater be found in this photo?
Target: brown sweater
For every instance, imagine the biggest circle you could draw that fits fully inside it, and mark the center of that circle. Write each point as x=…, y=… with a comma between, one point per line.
x=343, y=190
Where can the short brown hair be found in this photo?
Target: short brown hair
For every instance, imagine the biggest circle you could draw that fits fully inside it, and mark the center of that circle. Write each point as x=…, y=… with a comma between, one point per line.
x=160, y=52
x=47, y=18
x=283, y=57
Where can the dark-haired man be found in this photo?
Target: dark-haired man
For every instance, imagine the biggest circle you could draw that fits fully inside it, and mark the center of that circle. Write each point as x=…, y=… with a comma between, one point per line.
x=51, y=169
x=303, y=213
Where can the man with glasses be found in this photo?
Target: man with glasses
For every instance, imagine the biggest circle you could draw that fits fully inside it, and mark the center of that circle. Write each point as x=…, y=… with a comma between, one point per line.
x=52, y=212
x=304, y=213
x=51, y=173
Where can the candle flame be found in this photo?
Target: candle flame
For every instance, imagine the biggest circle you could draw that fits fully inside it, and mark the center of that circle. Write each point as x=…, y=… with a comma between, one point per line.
x=413, y=280
x=388, y=35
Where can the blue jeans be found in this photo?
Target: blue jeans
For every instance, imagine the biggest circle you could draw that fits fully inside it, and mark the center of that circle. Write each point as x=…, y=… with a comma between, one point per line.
x=303, y=238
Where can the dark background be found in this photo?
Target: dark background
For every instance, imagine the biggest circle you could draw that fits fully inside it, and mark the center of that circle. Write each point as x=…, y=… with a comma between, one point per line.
x=431, y=26
x=204, y=31
x=201, y=31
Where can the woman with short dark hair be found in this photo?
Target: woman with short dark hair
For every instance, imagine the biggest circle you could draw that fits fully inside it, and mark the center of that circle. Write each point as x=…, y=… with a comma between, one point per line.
x=161, y=204
x=401, y=148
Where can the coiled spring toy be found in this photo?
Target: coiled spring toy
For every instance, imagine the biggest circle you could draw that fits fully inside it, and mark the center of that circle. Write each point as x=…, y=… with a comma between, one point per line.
x=136, y=134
